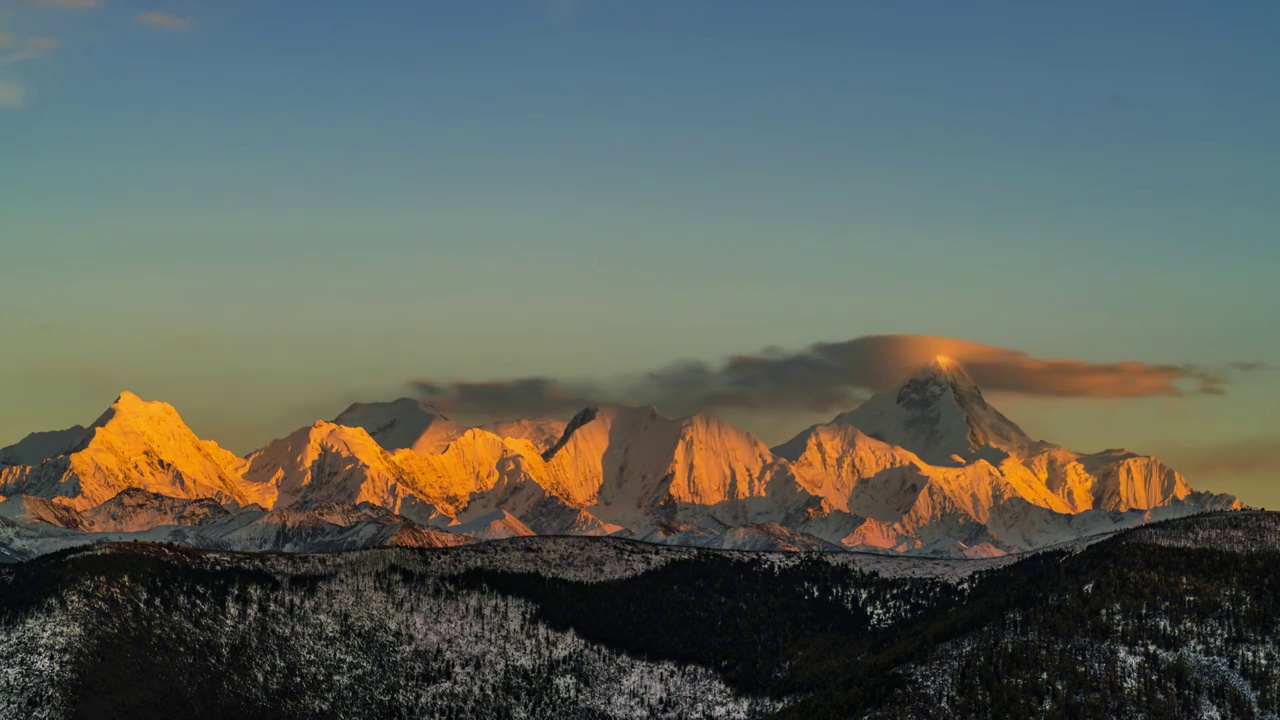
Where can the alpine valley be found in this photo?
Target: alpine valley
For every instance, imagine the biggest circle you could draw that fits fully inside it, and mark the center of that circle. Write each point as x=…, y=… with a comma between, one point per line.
x=927, y=469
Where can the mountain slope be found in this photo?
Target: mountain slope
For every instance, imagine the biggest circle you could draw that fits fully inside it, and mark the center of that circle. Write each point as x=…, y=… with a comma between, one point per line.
x=632, y=466
x=1112, y=480
x=40, y=446
x=328, y=463
x=497, y=525
x=134, y=444
x=935, y=469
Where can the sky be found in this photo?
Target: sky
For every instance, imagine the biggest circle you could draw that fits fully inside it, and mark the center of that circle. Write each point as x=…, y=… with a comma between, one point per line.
x=263, y=210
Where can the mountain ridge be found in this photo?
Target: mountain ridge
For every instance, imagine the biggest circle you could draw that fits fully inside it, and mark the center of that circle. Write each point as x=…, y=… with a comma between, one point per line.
x=928, y=467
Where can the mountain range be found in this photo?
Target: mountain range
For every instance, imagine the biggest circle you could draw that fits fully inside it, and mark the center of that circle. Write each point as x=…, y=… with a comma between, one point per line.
x=927, y=468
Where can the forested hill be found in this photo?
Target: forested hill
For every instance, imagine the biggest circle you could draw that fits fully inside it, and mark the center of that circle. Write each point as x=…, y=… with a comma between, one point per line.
x=1178, y=619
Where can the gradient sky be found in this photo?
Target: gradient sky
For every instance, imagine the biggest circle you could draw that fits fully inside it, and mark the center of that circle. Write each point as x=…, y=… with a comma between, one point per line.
x=262, y=210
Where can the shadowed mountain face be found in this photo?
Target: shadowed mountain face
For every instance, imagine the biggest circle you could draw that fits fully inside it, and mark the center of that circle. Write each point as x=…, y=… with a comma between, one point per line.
x=927, y=468
x=402, y=424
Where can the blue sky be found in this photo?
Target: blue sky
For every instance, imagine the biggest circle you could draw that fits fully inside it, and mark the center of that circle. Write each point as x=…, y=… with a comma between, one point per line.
x=260, y=211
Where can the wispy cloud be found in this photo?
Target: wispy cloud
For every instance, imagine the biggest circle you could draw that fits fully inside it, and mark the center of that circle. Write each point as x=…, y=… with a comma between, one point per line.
x=34, y=48
x=162, y=20
x=68, y=3
x=13, y=95
x=829, y=377
x=42, y=44
x=1256, y=456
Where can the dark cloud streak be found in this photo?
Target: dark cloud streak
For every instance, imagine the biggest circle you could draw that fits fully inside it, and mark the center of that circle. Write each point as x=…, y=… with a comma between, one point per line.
x=507, y=398
x=829, y=377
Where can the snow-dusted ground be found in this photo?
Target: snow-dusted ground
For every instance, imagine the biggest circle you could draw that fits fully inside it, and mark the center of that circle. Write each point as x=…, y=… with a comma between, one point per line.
x=1242, y=531
x=35, y=662
x=487, y=629
x=936, y=683
x=587, y=559
x=355, y=640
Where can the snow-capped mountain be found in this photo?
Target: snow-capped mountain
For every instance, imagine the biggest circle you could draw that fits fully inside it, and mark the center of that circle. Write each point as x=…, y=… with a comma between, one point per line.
x=940, y=415
x=135, y=510
x=934, y=468
x=632, y=466
x=40, y=446
x=333, y=463
x=929, y=467
x=134, y=444
x=336, y=464
x=497, y=525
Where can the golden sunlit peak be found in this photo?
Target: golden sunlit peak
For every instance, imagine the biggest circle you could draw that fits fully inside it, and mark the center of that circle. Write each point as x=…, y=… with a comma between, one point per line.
x=946, y=365
x=946, y=368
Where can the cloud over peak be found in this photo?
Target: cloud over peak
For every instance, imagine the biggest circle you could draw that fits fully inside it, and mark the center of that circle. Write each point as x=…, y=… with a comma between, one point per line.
x=828, y=377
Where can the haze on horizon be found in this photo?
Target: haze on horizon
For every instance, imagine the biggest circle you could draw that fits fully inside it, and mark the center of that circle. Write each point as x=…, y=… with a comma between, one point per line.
x=263, y=212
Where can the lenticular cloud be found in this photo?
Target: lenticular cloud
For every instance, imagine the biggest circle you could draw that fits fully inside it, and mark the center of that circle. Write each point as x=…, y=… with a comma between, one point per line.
x=825, y=377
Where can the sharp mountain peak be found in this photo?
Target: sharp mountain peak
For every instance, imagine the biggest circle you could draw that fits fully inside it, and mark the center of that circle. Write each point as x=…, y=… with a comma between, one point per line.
x=896, y=473
x=940, y=414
